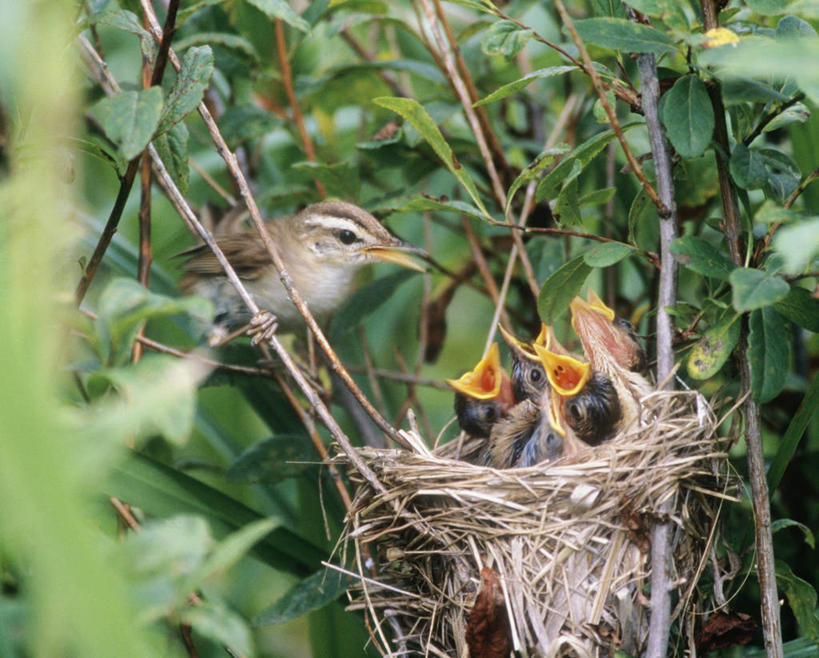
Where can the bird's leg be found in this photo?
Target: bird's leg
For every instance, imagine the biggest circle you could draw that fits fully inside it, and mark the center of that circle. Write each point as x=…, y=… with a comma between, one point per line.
x=263, y=326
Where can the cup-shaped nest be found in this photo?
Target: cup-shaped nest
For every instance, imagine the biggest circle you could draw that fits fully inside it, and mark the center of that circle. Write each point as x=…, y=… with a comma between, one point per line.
x=549, y=560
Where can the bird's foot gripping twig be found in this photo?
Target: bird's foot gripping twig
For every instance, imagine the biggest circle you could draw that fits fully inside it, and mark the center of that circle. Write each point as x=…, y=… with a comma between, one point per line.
x=263, y=326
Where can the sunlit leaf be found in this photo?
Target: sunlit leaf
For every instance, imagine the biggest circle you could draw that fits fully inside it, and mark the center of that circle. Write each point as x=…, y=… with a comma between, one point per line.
x=768, y=350
x=310, y=594
x=713, y=349
x=560, y=288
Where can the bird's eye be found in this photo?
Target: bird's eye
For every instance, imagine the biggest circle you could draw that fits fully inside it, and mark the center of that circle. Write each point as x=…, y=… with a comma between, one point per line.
x=535, y=374
x=574, y=411
x=346, y=237
x=489, y=414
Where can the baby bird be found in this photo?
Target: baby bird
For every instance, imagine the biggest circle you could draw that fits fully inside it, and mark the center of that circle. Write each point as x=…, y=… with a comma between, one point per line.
x=612, y=348
x=594, y=412
x=528, y=375
x=483, y=395
x=523, y=438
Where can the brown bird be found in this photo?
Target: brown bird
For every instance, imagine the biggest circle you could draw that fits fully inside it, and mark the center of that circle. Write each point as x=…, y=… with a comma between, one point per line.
x=528, y=375
x=523, y=438
x=483, y=395
x=612, y=348
x=322, y=246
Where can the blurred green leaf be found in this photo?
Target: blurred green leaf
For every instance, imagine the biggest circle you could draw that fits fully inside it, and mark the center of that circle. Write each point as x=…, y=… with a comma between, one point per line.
x=280, y=9
x=128, y=22
x=688, y=116
x=224, y=39
x=512, y=87
x=793, y=26
x=421, y=204
x=779, y=524
x=713, y=349
x=164, y=491
x=754, y=289
x=273, y=460
x=796, y=429
x=801, y=308
x=172, y=147
x=742, y=90
x=246, y=122
x=219, y=623
x=340, y=179
x=414, y=112
x=505, y=38
x=802, y=599
x=622, y=34
x=130, y=118
x=190, y=85
x=560, y=288
x=365, y=301
x=609, y=8
x=701, y=256
x=312, y=593
x=768, y=7
x=768, y=343
x=607, y=254
x=798, y=244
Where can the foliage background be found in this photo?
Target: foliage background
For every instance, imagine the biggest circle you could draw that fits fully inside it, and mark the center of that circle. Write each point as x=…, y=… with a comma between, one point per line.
x=201, y=454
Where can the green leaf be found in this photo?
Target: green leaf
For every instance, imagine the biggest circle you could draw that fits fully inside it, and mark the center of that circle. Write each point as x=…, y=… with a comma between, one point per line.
x=643, y=222
x=512, y=87
x=280, y=9
x=713, y=349
x=701, y=256
x=583, y=154
x=242, y=123
x=796, y=429
x=790, y=27
x=341, y=179
x=214, y=620
x=747, y=167
x=597, y=197
x=172, y=147
x=163, y=491
x=532, y=170
x=312, y=593
x=782, y=174
x=742, y=90
x=801, y=308
x=688, y=116
x=505, y=38
x=756, y=288
x=802, y=599
x=225, y=39
x=365, y=301
x=648, y=7
x=413, y=112
x=768, y=351
x=130, y=118
x=560, y=288
x=798, y=244
x=128, y=22
x=273, y=460
x=769, y=7
x=567, y=204
x=622, y=34
x=124, y=305
x=423, y=204
x=190, y=85
x=779, y=524
x=607, y=254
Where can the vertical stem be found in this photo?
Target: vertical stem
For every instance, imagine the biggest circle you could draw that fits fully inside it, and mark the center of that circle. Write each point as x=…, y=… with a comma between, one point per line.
x=769, y=599
x=661, y=549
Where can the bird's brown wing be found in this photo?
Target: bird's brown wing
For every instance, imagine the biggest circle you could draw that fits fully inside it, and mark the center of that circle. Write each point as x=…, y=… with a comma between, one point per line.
x=245, y=251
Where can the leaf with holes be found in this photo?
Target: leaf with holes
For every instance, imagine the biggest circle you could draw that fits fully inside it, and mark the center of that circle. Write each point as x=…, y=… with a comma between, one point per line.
x=713, y=349
x=768, y=350
x=190, y=85
x=560, y=288
x=688, y=116
x=130, y=118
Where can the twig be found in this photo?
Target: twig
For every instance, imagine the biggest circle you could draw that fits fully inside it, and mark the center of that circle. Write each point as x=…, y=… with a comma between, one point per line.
x=483, y=266
x=770, y=117
x=769, y=601
x=222, y=192
x=408, y=378
x=287, y=80
x=295, y=296
x=615, y=124
x=127, y=181
x=661, y=549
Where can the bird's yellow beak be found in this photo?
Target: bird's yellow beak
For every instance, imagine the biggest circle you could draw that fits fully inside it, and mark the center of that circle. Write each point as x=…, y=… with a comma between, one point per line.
x=567, y=375
x=484, y=381
x=578, y=306
x=554, y=415
x=399, y=254
x=517, y=345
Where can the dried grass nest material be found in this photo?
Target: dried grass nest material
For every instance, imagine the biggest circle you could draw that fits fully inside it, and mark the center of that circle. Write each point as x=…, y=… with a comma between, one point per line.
x=568, y=540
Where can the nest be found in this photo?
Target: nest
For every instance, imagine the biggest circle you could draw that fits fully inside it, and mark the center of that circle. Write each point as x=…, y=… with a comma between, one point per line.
x=567, y=543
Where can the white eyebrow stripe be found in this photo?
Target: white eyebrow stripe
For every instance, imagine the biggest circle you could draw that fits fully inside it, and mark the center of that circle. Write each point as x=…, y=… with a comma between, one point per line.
x=338, y=223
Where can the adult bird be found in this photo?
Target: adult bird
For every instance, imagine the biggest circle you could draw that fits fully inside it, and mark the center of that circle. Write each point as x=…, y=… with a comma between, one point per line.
x=483, y=395
x=323, y=246
x=613, y=349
